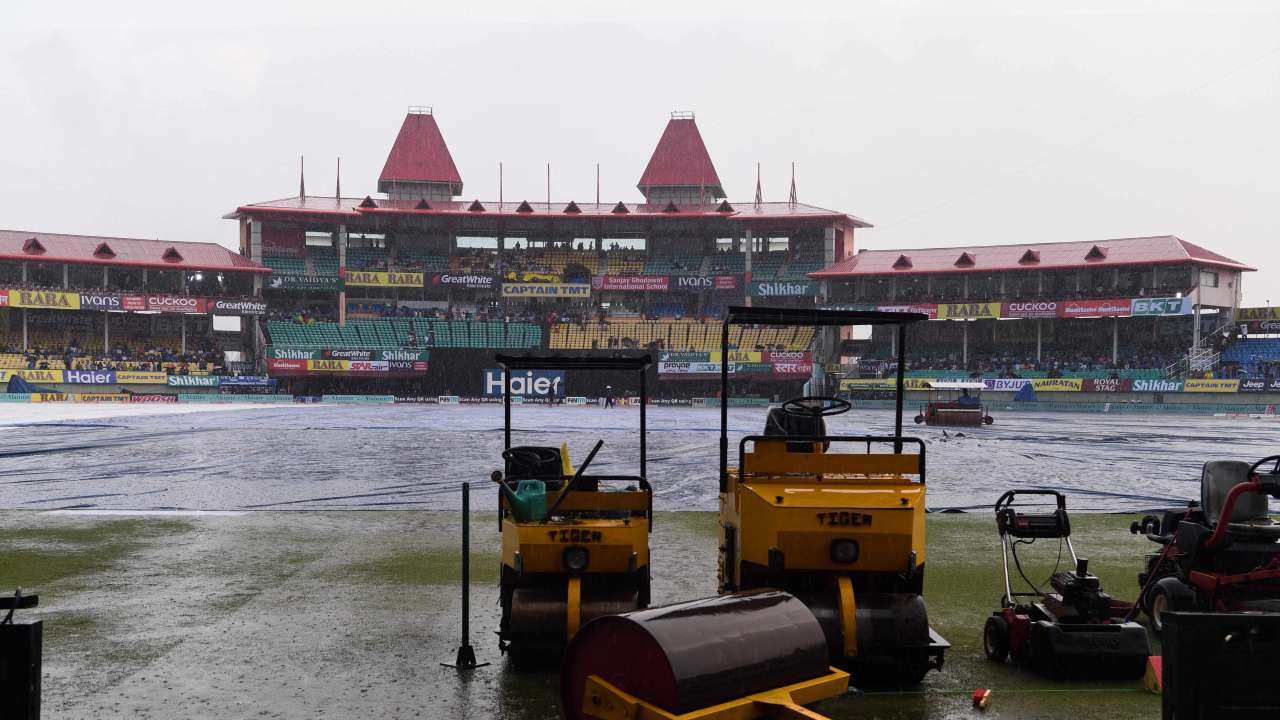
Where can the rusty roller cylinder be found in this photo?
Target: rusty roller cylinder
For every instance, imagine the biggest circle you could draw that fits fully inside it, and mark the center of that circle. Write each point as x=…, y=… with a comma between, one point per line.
x=698, y=653
x=540, y=614
x=887, y=624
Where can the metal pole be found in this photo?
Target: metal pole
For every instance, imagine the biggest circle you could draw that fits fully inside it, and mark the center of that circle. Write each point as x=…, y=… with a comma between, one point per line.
x=724, y=404
x=644, y=396
x=1115, y=340
x=466, y=659
x=902, y=362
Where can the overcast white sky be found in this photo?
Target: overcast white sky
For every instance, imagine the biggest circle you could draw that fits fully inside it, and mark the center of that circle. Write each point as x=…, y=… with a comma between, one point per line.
x=942, y=123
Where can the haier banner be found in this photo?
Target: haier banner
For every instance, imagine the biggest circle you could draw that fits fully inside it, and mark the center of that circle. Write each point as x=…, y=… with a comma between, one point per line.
x=532, y=383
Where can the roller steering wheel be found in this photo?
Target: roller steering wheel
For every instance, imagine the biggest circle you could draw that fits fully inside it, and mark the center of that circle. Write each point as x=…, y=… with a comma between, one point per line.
x=829, y=406
x=529, y=456
x=1275, y=469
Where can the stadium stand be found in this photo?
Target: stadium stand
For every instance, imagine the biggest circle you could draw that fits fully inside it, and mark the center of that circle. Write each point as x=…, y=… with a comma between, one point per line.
x=674, y=335
x=1255, y=356
x=765, y=266
x=390, y=333
x=685, y=264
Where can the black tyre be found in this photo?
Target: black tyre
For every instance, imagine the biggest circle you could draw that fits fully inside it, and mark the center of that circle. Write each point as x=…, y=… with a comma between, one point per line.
x=995, y=639
x=919, y=419
x=1167, y=594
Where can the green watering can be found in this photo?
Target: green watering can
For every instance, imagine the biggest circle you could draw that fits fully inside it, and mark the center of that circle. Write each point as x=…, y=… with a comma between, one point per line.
x=528, y=501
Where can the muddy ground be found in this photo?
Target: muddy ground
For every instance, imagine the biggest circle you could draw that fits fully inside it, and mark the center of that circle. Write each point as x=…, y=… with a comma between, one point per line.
x=349, y=614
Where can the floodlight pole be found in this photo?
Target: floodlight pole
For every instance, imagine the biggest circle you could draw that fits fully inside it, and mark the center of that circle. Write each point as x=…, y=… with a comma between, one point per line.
x=902, y=362
x=724, y=403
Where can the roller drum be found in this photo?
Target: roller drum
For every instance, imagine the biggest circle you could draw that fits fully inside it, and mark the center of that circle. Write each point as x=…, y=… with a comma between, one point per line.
x=539, y=615
x=694, y=654
x=887, y=624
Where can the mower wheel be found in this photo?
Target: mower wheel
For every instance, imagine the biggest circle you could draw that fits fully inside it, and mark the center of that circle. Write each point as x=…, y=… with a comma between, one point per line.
x=1169, y=593
x=995, y=639
x=919, y=419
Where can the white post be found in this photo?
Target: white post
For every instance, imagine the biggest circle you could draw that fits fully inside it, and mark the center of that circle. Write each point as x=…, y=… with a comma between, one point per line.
x=24, y=315
x=340, y=239
x=1115, y=340
x=104, y=277
x=66, y=282
x=184, y=334
x=106, y=334
x=1195, y=327
x=964, y=334
x=1039, y=329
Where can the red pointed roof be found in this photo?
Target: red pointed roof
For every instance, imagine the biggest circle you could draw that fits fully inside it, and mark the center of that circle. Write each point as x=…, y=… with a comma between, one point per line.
x=681, y=159
x=420, y=155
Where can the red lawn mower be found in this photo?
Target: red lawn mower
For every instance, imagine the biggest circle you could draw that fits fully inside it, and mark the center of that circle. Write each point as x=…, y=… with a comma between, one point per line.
x=1072, y=631
x=1221, y=554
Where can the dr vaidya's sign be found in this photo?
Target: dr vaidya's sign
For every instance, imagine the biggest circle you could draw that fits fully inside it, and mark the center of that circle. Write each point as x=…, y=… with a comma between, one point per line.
x=533, y=383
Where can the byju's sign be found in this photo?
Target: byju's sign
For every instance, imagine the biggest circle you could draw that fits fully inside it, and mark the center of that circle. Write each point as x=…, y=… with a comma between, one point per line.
x=529, y=383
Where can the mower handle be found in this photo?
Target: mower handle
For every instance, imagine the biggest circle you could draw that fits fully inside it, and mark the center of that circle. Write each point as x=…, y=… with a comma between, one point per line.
x=1007, y=499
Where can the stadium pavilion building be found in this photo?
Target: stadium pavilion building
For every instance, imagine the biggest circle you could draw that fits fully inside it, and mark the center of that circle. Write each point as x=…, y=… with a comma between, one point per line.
x=411, y=291
x=93, y=315
x=1128, y=303
x=424, y=267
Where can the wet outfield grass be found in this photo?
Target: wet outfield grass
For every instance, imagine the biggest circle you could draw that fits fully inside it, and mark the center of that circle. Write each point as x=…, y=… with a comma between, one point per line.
x=344, y=614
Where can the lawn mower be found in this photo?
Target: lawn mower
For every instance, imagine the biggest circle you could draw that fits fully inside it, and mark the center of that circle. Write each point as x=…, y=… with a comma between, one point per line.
x=1073, y=631
x=574, y=545
x=1221, y=554
x=841, y=531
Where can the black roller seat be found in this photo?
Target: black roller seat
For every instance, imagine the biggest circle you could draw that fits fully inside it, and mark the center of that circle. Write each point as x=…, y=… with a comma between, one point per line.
x=1250, y=515
x=781, y=423
x=548, y=467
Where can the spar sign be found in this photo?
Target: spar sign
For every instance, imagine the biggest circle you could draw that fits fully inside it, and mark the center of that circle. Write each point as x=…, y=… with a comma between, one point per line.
x=532, y=383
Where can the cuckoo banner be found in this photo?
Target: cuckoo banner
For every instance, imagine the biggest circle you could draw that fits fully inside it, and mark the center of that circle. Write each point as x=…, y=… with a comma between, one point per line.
x=363, y=278
x=968, y=311
x=1030, y=309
